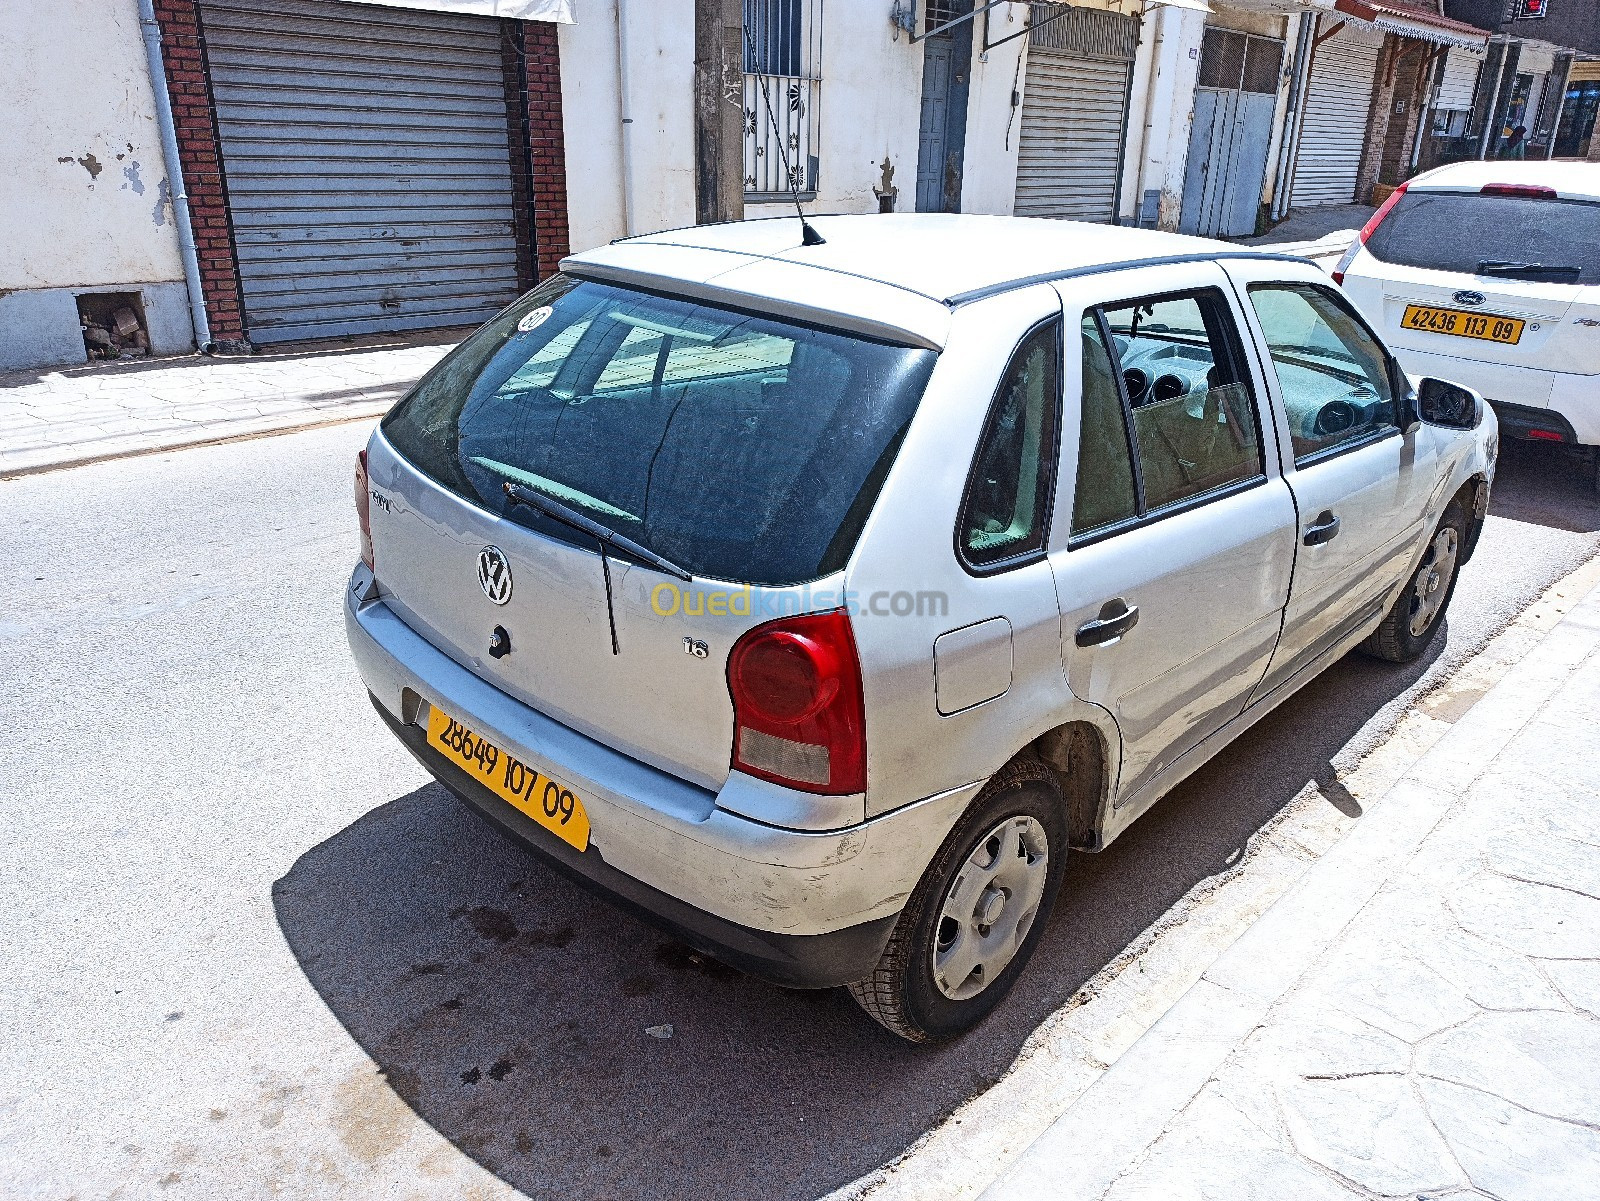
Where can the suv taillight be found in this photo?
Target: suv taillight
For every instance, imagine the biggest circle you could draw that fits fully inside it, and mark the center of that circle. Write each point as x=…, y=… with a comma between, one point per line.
x=798, y=718
x=364, y=511
x=1367, y=230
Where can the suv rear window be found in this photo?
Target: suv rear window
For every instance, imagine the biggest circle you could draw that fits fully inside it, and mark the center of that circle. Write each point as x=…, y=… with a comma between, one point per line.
x=739, y=446
x=1456, y=231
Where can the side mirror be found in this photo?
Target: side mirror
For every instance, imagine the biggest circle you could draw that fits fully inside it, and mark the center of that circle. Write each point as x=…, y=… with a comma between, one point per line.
x=1442, y=403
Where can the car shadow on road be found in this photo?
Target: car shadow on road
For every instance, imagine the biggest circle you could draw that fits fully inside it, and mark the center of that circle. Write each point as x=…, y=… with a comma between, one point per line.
x=512, y=1010
x=1547, y=485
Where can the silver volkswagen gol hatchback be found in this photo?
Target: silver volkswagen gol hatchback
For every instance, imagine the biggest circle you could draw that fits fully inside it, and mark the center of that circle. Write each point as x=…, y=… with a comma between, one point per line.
x=814, y=600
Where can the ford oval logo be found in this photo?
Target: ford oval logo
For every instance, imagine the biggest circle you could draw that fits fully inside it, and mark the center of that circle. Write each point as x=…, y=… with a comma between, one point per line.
x=1468, y=296
x=494, y=574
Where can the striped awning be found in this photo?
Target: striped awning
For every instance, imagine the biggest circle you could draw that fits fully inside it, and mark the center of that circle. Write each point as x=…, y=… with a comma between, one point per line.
x=1424, y=26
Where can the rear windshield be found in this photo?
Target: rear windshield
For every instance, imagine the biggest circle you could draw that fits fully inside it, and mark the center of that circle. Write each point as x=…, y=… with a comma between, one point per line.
x=740, y=447
x=1456, y=231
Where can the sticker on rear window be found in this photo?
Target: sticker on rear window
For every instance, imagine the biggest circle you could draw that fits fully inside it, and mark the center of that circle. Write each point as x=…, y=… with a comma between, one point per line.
x=535, y=319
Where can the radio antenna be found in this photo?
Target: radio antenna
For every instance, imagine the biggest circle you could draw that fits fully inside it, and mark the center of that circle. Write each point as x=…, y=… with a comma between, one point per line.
x=808, y=236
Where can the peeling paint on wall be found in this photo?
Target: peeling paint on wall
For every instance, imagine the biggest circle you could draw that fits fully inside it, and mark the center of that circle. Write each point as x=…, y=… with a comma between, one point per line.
x=90, y=164
x=159, y=214
x=131, y=174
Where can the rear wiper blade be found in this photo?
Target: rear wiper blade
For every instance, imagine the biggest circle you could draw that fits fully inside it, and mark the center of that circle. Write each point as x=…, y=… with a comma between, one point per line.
x=556, y=511
x=1496, y=267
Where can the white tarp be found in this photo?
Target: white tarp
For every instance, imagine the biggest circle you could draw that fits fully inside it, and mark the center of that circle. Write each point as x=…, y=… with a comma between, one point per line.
x=559, y=11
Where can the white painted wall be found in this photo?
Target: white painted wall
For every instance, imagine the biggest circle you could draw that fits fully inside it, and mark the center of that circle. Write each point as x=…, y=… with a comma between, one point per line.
x=591, y=120
x=989, y=177
x=84, y=191
x=1168, y=94
x=871, y=110
x=871, y=105
x=660, y=36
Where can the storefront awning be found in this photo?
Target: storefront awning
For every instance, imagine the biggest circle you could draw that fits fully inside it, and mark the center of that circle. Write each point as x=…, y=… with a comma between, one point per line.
x=559, y=11
x=1425, y=26
x=1392, y=16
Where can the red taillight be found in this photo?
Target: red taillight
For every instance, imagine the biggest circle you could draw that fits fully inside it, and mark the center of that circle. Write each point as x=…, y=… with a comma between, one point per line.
x=364, y=511
x=1528, y=191
x=1367, y=230
x=798, y=718
x=1546, y=435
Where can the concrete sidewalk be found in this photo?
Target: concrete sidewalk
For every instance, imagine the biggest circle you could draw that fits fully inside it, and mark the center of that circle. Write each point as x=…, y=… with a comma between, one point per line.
x=1419, y=1017
x=55, y=418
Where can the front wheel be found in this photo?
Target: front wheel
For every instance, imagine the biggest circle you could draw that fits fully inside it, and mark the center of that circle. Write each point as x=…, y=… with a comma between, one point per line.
x=1416, y=616
x=976, y=914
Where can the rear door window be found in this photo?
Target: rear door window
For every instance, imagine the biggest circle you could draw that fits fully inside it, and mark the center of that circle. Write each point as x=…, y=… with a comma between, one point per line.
x=741, y=446
x=1194, y=422
x=1464, y=231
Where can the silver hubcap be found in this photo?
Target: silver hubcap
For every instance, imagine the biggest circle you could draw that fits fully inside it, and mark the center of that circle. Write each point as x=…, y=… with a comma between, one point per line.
x=990, y=907
x=1433, y=581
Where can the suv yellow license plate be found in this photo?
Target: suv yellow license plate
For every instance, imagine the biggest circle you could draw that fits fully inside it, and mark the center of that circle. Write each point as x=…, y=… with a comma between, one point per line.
x=1486, y=327
x=553, y=805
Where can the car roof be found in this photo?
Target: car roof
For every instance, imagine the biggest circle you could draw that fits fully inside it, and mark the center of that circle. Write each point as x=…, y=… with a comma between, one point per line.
x=897, y=273
x=1571, y=181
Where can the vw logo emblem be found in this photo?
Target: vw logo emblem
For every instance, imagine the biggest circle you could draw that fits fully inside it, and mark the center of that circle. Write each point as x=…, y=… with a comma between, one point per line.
x=494, y=574
x=1467, y=296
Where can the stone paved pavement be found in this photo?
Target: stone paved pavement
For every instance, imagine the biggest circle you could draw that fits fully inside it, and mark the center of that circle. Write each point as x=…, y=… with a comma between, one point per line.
x=71, y=415
x=1419, y=1018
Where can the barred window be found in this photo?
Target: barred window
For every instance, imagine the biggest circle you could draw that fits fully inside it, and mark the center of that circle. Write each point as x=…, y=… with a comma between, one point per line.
x=782, y=91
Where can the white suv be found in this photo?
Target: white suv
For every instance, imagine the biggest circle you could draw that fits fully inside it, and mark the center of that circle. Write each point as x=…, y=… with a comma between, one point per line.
x=1488, y=274
x=814, y=599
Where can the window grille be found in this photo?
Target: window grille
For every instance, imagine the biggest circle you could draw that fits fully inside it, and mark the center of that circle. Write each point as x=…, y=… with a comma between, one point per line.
x=782, y=65
x=940, y=12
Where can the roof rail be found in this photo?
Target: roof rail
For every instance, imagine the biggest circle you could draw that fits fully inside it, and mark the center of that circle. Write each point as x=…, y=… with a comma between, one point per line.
x=1047, y=277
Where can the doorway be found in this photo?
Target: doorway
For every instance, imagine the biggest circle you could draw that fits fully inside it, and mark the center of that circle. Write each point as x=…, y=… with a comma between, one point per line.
x=1231, y=134
x=946, y=77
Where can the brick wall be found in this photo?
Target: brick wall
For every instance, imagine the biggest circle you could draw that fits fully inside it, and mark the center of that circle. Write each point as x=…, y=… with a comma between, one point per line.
x=189, y=85
x=546, y=145
x=1378, y=118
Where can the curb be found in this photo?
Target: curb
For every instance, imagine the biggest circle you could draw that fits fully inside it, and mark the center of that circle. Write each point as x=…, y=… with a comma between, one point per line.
x=212, y=436
x=1112, y=1122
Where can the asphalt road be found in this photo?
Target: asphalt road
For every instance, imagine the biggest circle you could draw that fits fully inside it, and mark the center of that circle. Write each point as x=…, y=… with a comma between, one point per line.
x=248, y=948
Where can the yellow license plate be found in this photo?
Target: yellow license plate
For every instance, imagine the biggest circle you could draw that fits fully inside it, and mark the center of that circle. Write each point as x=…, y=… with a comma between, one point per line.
x=553, y=805
x=1484, y=326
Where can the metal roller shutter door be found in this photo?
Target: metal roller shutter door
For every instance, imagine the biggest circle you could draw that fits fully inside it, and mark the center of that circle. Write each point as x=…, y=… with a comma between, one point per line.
x=1074, y=114
x=368, y=165
x=1460, y=82
x=1334, y=130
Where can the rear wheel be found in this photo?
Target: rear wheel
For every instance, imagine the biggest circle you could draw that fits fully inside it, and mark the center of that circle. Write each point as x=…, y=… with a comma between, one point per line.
x=976, y=914
x=1416, y=616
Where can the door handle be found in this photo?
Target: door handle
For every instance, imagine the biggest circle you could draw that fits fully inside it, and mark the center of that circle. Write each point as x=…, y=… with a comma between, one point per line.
x=1116, y=618
x=1325, y=529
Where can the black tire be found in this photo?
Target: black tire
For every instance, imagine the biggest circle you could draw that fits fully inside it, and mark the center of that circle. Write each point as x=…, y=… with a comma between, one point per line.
x=901, y=994
x=1400, y=638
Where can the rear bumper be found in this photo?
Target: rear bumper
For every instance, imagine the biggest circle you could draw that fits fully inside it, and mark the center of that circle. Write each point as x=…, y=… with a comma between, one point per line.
x=795, y=960
x=800, y=907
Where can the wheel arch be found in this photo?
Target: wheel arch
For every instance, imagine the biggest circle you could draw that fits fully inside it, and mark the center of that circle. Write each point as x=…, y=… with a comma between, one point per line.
x=1473, y=498
x=1082, y=757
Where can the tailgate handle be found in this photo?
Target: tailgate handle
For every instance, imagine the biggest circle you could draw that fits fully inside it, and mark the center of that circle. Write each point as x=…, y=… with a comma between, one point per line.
x=1116, y=618
x=1326, y=529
